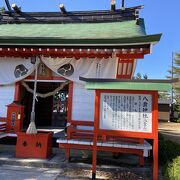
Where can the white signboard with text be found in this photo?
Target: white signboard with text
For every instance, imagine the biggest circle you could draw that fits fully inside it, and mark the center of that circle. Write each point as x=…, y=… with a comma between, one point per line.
x=126, y=112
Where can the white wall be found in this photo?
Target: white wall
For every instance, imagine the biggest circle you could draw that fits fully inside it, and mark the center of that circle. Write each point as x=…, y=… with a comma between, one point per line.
x=83, y=103
x=6, y=97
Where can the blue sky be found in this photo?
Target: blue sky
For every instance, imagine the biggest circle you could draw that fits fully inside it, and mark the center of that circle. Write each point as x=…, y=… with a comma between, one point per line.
x=161, y=16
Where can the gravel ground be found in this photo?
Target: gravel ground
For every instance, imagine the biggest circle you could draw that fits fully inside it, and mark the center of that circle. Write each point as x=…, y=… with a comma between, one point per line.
x=77, y=174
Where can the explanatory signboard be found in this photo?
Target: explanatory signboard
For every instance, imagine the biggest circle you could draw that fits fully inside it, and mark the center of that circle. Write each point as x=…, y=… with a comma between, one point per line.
x=126, y=112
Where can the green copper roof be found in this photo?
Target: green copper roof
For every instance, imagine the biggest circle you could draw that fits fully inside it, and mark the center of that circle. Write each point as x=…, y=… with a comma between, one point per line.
x=75, y=31
x=103, y=34
x=61, y=42
x=129, y=86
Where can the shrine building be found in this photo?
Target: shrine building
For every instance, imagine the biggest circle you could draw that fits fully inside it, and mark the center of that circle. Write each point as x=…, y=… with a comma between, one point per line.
x=68, y=45
x=75, y=70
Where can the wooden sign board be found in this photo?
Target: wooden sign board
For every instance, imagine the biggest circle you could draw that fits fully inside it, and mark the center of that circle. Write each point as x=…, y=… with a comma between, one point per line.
x=127, y=113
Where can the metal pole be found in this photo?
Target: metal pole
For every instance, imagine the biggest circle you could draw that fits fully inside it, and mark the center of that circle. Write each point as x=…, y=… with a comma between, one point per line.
x=32, y=127
x=172, y=93
x=123, y=5
x=35, y=88
x=8, y=5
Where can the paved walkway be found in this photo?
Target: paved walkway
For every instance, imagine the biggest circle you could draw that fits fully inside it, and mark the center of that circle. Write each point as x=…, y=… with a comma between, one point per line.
x=9, y=172
x=170, y=131
x=57, y=168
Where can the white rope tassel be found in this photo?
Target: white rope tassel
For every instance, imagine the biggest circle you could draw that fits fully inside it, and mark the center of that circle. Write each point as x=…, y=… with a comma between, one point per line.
x=32, y=127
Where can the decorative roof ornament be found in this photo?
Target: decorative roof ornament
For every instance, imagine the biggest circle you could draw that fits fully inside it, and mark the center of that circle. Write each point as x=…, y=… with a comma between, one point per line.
x=8, y=5
x=123, y=5
x=62, y=8
x=13, y=6
x=113, y=5
x=16, y=8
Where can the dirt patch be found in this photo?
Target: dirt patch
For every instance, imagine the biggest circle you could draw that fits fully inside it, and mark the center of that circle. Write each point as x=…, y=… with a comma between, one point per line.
x=170, y=131
x=170, y=126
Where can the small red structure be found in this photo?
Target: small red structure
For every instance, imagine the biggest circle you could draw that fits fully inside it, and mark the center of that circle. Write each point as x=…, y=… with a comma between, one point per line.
x=15, y=116
x=34, y=146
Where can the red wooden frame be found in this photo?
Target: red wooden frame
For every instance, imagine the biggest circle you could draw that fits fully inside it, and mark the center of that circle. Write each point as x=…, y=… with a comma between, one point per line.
x=107, y=149
x=17, y=92
x=153, y=135
x=51, y=78
x=127, y=133
x=70, y=99
x=137, y=53
x=121, y=75
x=69, y=115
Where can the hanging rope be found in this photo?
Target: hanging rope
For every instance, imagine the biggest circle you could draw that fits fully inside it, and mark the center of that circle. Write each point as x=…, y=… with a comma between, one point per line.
x=46, y=94
x=32, y=126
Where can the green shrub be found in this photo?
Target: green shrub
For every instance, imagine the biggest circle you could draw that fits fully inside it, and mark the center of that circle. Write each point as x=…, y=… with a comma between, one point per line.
x=168, y=150
x=178, y=120
x=173, y=170
x=169, y=158
x=160, y=137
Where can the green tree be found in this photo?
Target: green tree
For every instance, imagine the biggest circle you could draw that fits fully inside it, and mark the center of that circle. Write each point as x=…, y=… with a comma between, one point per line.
x=174, y=72
x=140, y=76
x=2, y=9
x=164, y=95
x=145, y=76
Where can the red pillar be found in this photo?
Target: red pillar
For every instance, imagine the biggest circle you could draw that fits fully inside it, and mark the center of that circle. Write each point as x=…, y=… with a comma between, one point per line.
x=95, y=134
x=69, y=117
x=155, y=141
x=155, y=159
x=94, y=156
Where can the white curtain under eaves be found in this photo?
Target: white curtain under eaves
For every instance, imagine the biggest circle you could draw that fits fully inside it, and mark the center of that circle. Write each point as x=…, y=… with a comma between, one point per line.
x=14, y=69
x=72, y=69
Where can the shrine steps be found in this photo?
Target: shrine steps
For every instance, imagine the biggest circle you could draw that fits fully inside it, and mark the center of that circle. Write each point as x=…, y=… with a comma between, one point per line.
x=3, y=132
x=2, y=127
x=3, y=135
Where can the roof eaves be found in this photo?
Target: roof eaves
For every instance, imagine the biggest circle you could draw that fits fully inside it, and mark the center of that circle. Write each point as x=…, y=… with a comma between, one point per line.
x=137, y=40
x=129, y=84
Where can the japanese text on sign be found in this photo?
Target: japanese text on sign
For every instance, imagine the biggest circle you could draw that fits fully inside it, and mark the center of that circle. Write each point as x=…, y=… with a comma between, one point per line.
x=126, y=112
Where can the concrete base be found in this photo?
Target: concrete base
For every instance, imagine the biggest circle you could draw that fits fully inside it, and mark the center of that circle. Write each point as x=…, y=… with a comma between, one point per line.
x=10, y=172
